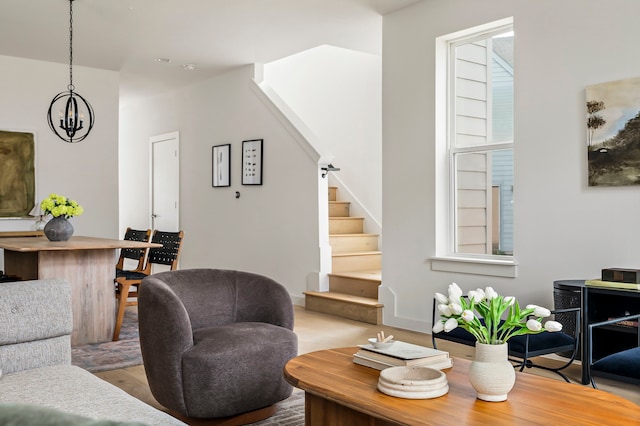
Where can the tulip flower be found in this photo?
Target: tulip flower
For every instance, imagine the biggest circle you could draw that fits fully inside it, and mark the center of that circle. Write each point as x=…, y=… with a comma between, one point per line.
x=438, y=327
x=442, y=299
x=450, y=324
x=490, y=293
x=552, y=326
x=455, y=292
x=455, y=308
x=467, y=315
x=510, y=300
x=475, y=296
x=445, y=310
x=534, y=325
x=541, y=312
x=482, y=294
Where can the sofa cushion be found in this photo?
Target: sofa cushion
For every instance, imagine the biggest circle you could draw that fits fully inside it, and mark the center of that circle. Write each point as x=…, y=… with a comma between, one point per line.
x=23, y=316
x=29, y=415
x=73, y=390
x=623, y=363
x=541, y=341
x=244, y=360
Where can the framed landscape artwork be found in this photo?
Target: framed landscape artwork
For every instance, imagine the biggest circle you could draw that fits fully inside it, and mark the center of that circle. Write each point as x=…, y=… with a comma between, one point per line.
x=613, y=133
x=18, y=181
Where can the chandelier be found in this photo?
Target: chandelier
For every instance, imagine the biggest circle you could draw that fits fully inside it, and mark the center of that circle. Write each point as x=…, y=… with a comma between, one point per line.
x=72, y=125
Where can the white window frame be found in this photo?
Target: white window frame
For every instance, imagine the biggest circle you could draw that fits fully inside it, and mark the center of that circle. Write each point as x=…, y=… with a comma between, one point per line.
x=446, y=258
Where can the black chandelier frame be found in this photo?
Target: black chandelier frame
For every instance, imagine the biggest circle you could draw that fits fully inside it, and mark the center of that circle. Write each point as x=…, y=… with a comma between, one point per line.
x=71, y=119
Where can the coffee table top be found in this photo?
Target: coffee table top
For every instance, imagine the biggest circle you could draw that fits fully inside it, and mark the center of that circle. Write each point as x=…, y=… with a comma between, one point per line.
x=332, y=375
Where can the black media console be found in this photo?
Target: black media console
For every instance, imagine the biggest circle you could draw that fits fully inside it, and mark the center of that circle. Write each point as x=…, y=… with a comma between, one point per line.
x=599, y=304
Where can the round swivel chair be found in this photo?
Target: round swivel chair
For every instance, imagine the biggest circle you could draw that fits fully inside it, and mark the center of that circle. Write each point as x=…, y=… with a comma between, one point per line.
x=214, y=342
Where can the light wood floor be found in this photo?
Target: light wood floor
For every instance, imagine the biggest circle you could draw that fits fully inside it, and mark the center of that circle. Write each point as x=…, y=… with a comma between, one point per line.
x=318, y=331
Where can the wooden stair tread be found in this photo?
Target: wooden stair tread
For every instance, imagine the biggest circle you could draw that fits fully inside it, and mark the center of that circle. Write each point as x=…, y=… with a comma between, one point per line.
x=356, y=300
x=356, y=253
x=346, y=217
x=361, y=275
x=358, y=234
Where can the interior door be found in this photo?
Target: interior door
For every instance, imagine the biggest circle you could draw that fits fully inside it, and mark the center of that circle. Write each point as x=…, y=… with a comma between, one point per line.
x=165, y=182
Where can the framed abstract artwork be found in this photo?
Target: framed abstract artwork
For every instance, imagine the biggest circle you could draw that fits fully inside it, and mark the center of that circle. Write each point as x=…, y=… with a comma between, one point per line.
x=252, y=162
x=613, y=133
x=221, y=165
x=18, y=183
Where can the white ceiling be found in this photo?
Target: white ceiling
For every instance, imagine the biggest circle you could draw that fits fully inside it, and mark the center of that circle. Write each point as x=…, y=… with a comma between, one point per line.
x=215, y=35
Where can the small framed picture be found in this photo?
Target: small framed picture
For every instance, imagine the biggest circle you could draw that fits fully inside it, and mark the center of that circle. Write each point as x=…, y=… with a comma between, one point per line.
x=252, y=162
x=221, y=165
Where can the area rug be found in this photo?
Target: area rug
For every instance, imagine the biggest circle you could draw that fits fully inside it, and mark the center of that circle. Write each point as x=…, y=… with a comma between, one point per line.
x=289, y=412
x=112, y=355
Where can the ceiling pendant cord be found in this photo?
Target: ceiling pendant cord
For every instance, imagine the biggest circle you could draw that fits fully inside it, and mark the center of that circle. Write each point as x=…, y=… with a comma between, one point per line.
x=72, y=119
x=70, y=86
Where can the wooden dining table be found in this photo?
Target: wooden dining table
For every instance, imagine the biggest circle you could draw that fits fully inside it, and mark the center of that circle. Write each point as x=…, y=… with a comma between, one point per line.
x=87, y=263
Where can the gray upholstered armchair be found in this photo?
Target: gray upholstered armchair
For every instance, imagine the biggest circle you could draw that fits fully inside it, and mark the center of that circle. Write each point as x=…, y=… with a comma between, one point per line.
x=214, y=342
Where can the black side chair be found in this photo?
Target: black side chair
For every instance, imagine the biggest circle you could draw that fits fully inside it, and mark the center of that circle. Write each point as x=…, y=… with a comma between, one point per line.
x=127, y=285
x=623, y=366
x=523, y=348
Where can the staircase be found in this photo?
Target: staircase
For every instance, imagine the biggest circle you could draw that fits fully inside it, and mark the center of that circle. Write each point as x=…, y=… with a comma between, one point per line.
x=356, y=264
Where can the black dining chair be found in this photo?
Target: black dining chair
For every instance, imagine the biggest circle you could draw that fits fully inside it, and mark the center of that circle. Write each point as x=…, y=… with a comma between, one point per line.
x=134, y=254
x=127, y=285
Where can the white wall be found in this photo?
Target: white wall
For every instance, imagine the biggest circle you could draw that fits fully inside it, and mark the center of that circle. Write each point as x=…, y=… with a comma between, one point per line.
x=85, y=171
x=336, y=92
x=563, y=228
x=271, y=229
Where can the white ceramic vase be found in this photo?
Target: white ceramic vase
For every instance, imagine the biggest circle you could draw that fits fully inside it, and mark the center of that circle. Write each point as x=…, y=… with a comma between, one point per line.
x=491, y=374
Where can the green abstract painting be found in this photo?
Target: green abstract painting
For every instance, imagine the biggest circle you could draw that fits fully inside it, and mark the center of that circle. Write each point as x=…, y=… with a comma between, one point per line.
x=17, y=173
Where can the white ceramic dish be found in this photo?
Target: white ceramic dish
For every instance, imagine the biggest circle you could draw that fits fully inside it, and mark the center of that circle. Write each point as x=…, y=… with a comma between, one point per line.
x=434, y=393
x=413, y=382
x=381, y=345
x=413, y=376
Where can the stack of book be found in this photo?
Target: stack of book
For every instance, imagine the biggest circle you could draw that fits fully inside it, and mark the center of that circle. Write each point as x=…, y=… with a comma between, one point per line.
x=617, y=278
x=401, y=354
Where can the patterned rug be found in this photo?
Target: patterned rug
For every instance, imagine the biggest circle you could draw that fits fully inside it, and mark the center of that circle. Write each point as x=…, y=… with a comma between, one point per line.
x=112, y=355
x=126, y=353
x=289, y=412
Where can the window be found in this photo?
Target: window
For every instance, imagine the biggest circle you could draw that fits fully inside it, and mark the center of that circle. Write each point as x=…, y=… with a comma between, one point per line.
x=474, y=92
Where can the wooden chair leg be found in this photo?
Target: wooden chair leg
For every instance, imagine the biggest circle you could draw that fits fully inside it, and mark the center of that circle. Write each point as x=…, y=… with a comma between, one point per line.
x=123, y=295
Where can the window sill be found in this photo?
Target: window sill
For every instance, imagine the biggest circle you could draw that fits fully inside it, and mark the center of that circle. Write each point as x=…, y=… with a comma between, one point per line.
x=465, y=265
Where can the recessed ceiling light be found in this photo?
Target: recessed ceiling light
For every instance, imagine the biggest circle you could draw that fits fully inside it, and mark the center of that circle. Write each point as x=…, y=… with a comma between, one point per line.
x=189, y=67
x=165, y=60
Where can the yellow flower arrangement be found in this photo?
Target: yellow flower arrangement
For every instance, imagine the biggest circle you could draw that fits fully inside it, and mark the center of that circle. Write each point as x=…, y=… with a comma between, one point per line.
x=59, y=205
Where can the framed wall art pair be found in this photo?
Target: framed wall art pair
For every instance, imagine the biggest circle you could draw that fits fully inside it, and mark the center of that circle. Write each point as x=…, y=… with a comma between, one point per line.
x=251, y=164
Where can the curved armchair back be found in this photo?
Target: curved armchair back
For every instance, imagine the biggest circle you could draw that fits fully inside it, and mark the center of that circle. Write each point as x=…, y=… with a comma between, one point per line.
x=165, y=334
x=231, y=296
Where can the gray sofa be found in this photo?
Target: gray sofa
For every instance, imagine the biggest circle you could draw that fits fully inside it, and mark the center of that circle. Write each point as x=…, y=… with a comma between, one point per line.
x=38, y=383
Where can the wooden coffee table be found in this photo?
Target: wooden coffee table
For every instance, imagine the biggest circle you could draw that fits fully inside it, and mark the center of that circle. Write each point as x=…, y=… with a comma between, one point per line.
x=339, y=392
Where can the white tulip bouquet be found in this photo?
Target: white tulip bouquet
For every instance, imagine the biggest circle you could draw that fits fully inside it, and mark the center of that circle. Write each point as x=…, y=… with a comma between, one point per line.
x=456, y=310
